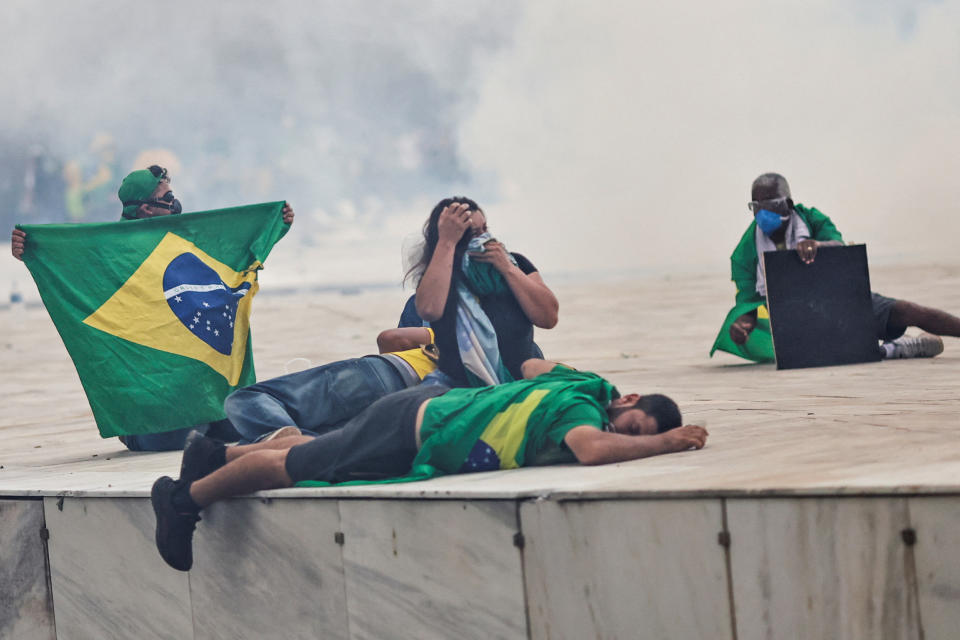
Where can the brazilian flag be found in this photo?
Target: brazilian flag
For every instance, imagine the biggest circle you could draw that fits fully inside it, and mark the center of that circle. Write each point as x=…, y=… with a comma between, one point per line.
x=759, y=345
x=155, y=313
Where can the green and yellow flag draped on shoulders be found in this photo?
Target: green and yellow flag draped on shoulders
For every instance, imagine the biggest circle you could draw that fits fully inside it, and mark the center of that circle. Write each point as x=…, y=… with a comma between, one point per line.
x=155, y=312
x=505, y=426
x=743, y=266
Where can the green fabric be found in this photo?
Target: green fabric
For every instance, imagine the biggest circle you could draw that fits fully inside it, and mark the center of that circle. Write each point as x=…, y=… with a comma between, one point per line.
x=484, y=279
x=759, y=345
x=138, y=185
x=743, y=267
x=531, y=412
x=515, y=424
x=88, y=277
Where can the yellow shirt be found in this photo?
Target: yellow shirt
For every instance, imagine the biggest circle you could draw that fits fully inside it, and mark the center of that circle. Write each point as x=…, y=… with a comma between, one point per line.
x=418, y=359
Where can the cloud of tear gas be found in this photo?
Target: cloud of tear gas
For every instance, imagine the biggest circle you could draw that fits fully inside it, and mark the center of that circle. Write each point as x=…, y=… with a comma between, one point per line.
x=349, y=110
x=626, y=135
x=599, y=136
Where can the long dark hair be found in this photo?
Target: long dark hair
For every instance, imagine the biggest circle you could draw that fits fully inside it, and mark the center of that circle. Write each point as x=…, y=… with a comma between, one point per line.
x=431, y=235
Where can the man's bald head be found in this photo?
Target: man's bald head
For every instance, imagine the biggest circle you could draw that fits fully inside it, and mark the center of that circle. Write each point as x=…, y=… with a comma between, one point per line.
x=770, y=186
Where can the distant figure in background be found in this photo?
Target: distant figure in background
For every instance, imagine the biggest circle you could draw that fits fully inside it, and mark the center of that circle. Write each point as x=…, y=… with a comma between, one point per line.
x=102, y=167
x=73, y=195
x=481, y=300
x=780, y=224
x=555, y=415
x=146, y=193
x=42, y=187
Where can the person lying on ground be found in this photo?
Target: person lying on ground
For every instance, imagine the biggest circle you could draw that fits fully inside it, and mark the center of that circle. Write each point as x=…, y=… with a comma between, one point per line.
x=146, y=193
x=780, y=224
x=323, y=398
x=554, y=415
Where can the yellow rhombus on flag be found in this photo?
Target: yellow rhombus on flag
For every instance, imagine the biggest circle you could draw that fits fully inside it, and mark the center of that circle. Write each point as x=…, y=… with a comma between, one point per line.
x=142, y=310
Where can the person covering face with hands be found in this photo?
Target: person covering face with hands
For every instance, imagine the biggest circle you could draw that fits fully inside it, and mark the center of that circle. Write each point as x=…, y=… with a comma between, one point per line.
x=481, y=300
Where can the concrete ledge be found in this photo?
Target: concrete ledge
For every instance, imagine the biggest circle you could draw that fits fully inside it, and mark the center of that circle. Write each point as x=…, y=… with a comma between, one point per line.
x=824, y=567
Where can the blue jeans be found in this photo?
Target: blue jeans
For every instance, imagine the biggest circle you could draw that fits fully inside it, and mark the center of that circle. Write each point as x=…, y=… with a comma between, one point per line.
x=173, y=440
x=316, y=400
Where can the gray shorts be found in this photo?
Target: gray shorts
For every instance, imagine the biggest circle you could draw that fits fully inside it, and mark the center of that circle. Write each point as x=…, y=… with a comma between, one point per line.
x=881, y=312
x=379, y=442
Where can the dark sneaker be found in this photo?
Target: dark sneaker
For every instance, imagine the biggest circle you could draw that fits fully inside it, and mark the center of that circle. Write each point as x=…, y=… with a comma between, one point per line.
x=174, y=530
x=199, y=456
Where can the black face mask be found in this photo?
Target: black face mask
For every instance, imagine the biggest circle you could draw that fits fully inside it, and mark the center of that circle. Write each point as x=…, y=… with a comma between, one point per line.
x=166, y=201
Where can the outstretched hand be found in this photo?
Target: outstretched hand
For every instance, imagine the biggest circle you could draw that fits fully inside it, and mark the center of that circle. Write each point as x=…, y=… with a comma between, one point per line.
x=686, y=437
x=17, y=243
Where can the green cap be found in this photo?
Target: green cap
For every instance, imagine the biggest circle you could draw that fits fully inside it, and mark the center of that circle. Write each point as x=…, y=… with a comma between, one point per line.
x=137, y=187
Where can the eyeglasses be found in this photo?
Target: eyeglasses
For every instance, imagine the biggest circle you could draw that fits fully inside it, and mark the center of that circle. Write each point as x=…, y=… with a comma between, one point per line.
x=771, y=205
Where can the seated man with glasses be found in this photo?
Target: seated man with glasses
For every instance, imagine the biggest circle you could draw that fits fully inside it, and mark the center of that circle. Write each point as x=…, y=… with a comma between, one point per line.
x=146, y=193
x=781, y=224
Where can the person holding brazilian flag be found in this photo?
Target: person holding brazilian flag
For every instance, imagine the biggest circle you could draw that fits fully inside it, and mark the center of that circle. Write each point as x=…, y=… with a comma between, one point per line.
x=154, y=309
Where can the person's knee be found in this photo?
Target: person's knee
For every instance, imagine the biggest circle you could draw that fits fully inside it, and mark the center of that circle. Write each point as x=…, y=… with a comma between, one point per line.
x=234, y=403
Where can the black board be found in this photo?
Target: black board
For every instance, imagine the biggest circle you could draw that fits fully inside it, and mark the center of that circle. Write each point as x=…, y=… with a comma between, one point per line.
x=820, y=313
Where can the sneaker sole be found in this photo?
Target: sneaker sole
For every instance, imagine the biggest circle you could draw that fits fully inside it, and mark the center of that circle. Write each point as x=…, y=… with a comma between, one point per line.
x=931, y=345
x=283, y=432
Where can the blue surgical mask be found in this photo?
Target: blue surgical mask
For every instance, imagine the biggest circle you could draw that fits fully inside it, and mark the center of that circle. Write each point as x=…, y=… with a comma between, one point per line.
x=768, y=221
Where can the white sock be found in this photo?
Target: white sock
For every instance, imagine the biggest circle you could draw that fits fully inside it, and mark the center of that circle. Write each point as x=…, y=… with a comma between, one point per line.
x=888, y=348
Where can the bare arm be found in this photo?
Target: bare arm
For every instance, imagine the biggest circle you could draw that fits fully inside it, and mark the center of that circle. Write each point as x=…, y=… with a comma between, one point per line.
x=434, y=286
x=403, y=339
x=533, y=295
x=535, y=366
x=592, y=446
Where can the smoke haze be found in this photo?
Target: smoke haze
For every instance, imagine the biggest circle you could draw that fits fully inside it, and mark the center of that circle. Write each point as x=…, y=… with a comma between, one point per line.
x=600, y=137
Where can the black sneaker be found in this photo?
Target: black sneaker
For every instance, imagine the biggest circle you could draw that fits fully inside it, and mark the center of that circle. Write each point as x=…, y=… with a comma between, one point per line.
x=174, y=530
x=198, y=456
